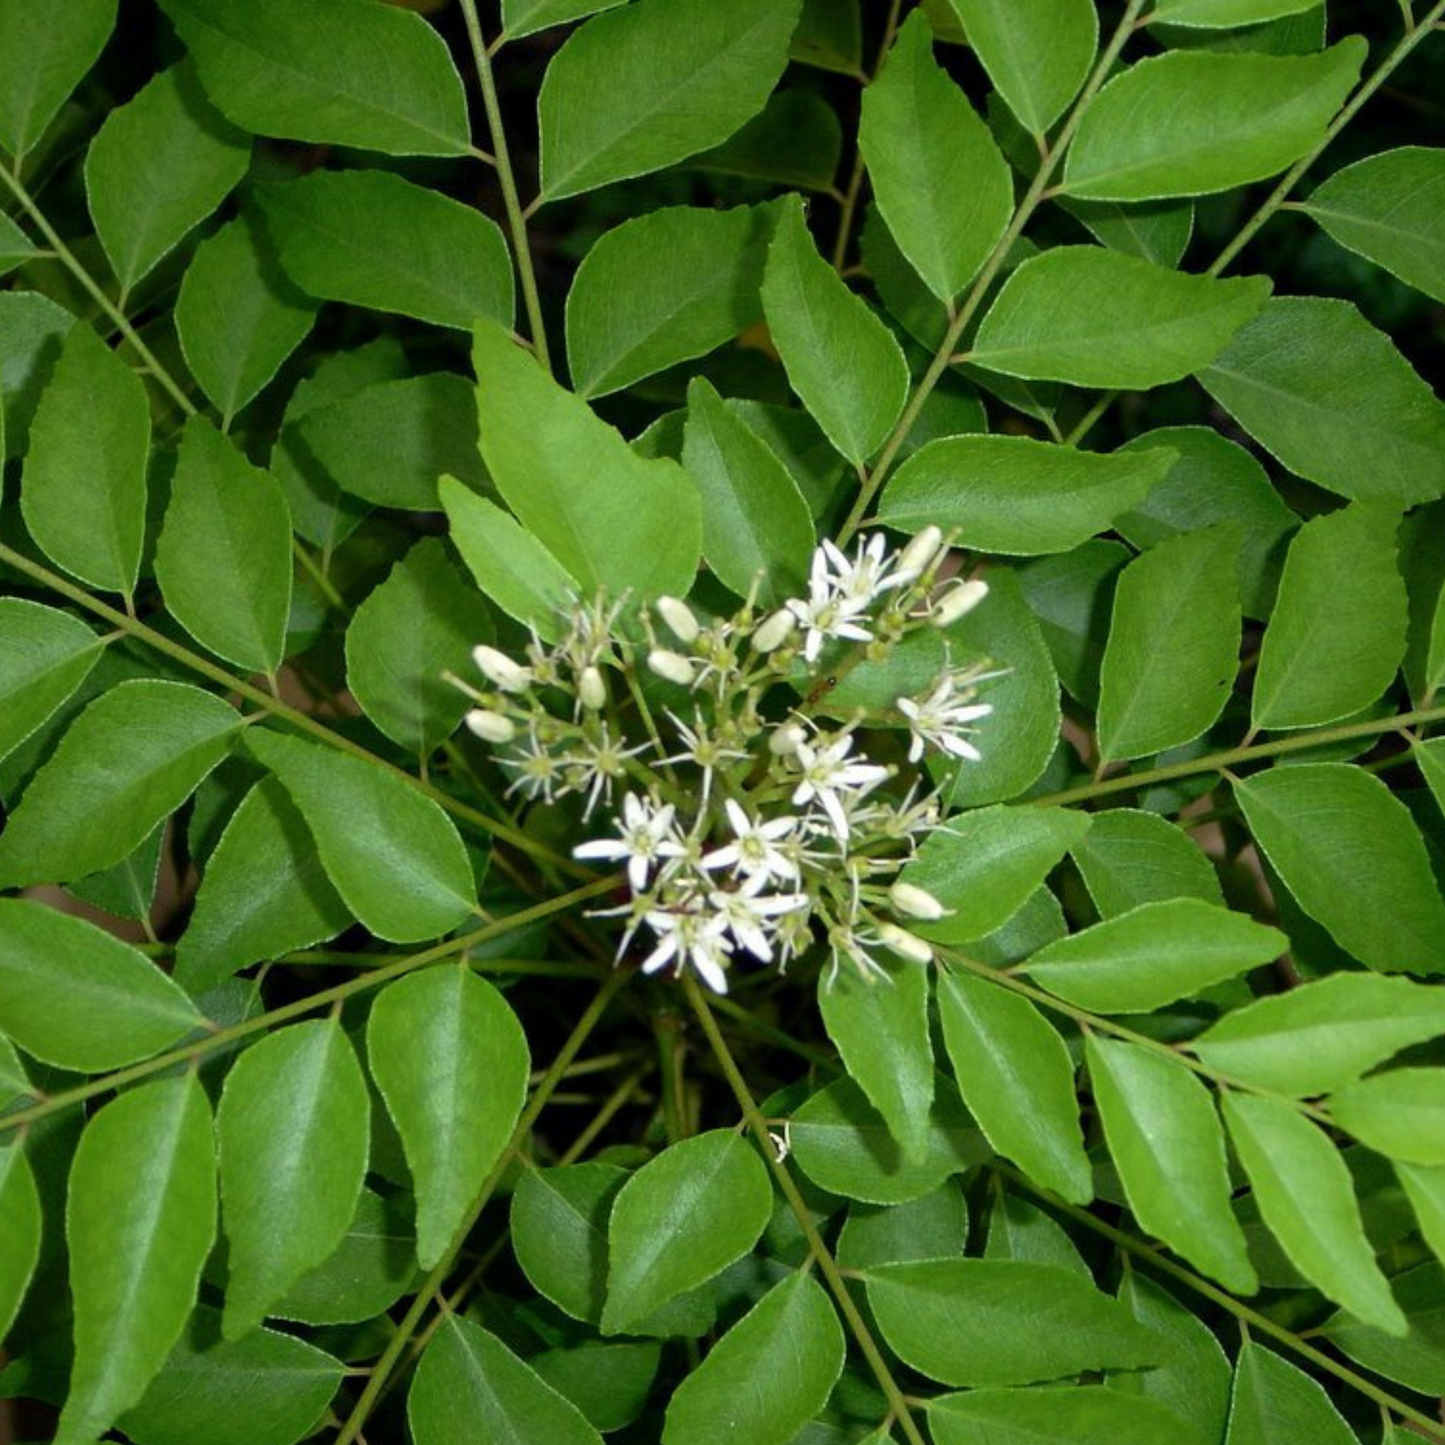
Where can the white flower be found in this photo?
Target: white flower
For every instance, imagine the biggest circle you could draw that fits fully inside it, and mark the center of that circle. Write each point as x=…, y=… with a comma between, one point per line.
x=784, y=739
x=647, y=835
x=538, y=771
x=593, y=764
x=941, y=719
x=691, y=937
x=749, y=914
x=500, y=670
x=827, y=613
x=860, y=580
x=702, y=749
x=754, y=851
x=829, y=780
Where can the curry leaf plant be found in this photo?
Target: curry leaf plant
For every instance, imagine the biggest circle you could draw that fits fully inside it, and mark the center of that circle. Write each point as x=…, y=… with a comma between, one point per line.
x=721, y=721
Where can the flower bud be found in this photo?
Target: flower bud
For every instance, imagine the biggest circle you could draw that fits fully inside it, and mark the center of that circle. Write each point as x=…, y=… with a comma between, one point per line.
x=785, y=738
x=491, y=726
x=959, y=601
x=774, y=631
x=916, y=902
x=591, y=690
x=671, y=665
x=918, y=556
x=908, y=945
x=678, y=616
x=500, y=670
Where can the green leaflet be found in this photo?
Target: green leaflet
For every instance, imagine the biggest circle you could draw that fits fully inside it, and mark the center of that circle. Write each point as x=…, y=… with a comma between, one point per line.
x=56, y=57
x=83, y=490
x=1387, y=208
x=1016, y=495
x=223, y=558
x=1139, y=961
x=1350, y=853
x=293, y=1137
x=1130, y=857
x=283, y=1382
x=1091, y=1414
x=1318, y=387
x=636, y=89
x=769, y=1375
x=35, y=328
x=1215, y=480
x=842, y=361
x=140, y=1220
x=1400, y=1114
x=938, y=179
x=1306, y=1197
x=237, y=316
x=795, y=140
x=610, y=517
x=1324, y=1034
x=880, y=1027
x=391, y=853
x=756, y=528
x=1224, y=14
x=1418, y=1360
x=1071, y=594
x=526, y=17
x=685, y=1215
x=1015, y=1074
x=1337, y=632
x=45, y=655
x=1003, y=1322
x=843, y=1145
x=988, y=863
x=1173, y=646
x=20, y=1221
x=470, y=1384
x=344, y=72
x=1167, y=1143
x=126, y=763
x=559, y=1233
x=1273, y=1400
x=1097, y=317
x=662, y=288
x=374, y=239
x=1189, y=123
x=420, y=623
x=451, y=1062
x=189, y=157
x=934, y=1226
x=1037, y=55
x=509, y=564
x=263, y=893
x=75, y=996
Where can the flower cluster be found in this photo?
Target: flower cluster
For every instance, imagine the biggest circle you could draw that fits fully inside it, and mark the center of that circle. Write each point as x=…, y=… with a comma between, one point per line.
x=748, y=823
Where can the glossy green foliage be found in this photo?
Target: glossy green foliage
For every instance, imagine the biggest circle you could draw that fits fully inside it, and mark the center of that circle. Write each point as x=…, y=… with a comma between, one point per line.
x=45, y=654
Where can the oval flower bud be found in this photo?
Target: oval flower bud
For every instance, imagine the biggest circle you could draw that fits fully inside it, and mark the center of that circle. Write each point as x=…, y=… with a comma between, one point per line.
x=916, y=902
x=918, y=556
x=908, y=945
x=959, y=601
x=591, y=690
x=786, y=739
x=772, y=632
x=671, y=665
x=679, y=618
x=491, y=726
x=500, y=670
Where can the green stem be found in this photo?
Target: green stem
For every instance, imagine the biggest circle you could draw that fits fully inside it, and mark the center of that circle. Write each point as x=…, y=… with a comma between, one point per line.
x=381, y=1371
x=117, y=317
x=222, y=1038
x=857, y=1326
x=1247, y=1316
x=273, y=705
x=943, y=357
x=1407, y=43
x=502, y=159
x=855, y=180
x=1218, y=762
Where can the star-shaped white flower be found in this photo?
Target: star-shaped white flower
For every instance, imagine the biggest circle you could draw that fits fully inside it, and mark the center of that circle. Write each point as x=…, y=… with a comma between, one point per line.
x=695, y=937
x=749, y=914
x=942, y=718
x=648, y=835
x=831, y=781
x=755, y=851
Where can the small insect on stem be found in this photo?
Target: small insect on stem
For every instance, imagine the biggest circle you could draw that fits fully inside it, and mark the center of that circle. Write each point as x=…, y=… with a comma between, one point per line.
x=820, y=690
